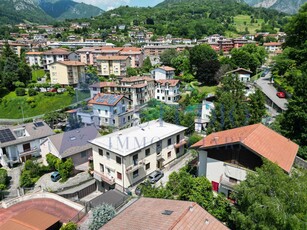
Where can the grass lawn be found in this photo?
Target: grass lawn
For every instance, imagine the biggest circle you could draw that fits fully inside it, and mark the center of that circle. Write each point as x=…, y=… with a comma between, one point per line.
x=252, y=27
x=201, y=89
x=37, y=74
x=11, y=104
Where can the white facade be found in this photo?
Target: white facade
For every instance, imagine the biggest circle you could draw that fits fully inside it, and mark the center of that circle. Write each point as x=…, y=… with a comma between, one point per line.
x=202, y=121
x=34, y=59
x=161, y=74
x=167, y=93
x=128, y=156
x=224, y=175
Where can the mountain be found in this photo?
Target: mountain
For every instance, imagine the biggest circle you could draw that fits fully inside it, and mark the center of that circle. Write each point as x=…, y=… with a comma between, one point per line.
x=68, y=9
x=14, y=11
x=286, y=6
x=44, y=11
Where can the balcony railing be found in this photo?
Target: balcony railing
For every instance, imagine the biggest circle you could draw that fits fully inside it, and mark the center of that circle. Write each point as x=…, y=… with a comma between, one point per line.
x=101, y=176
x=133, y=167
x=28, y=152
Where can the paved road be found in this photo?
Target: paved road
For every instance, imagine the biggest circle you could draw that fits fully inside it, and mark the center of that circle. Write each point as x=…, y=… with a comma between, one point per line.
x=269, y=90
x=46, y=183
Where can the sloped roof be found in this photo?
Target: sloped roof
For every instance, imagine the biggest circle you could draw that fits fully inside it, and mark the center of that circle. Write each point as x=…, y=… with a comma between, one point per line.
x=57, y=51
x=70, y=63
x=272, y=44
x=240, y=70
x=136, y=78
x=112, y=58
x=259, y=139
x=74, y=141
x=106, y=99
x=104, y=84
x=171, y=82
x=166, y=68
x=146, y=213
x=33, y=53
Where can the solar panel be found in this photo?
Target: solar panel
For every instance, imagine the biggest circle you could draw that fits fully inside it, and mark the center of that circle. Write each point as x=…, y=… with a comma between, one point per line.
x=39, y=124
x=6, y=135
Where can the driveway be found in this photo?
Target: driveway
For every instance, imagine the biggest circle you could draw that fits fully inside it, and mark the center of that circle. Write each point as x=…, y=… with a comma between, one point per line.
x=46, y=183
x=14, y=173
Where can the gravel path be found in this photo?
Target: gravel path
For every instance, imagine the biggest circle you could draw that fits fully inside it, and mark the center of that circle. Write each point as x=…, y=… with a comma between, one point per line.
x=46, y=183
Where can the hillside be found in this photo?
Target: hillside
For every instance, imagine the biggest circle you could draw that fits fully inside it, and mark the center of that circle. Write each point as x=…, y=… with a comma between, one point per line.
x=44, y=11
x=67, y=9
x=192, y=18
x=287, y=6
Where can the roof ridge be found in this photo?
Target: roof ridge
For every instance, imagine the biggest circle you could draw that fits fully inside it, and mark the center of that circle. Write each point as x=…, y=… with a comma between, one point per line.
x=182, y=215
x=257, y=126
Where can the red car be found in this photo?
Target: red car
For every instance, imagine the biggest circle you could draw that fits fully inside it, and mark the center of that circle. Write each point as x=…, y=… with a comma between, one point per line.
x=281, y=94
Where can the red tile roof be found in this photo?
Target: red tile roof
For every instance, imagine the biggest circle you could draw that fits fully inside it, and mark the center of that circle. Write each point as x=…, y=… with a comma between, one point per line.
x=104, y=84
x=113, y=58
x=57, y=51
x=259, y=139
x=272, y=44
x=146, y=213
x=171, y=82
x=34, y=53
x=136, y=78
x=166, y=68
x=71, y=63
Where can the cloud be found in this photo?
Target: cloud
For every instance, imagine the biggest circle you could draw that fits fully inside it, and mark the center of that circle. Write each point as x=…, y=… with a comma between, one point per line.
x=106, y=4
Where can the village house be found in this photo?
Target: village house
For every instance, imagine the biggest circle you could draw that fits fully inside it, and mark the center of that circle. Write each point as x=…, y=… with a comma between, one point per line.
x=58, y=54
x=244, y=75
x=123, y=158
x=139, y=89
x=226, y=157
x=163, y=73
x=72, y=144
x=67, y=72
x=203, y=117
x=21, y=142
x=34, y=59
x=167, y=91
x=113, y=65
x=272, y=47
x=161, y=214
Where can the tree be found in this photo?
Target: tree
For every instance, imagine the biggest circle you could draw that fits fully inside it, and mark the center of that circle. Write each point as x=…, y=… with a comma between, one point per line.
x=131, y=72
x=167, y=56
x=65, y=168
x=181, y=62
x=3, y=178
x=101, y=215
x=230, y=110
x=271, y=199
x=294, y=120
x=147, y=66
x=51, y=160
x=204, y=62
x=256, y=107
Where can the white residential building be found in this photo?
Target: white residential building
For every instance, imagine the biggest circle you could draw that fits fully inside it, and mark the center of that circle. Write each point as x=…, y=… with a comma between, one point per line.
x=34, y=59
x=19, y=143
x=203, y=119
x=163, y=73
x=125, y=157
x=55, y=55
x=167, y=91
x=244, y=75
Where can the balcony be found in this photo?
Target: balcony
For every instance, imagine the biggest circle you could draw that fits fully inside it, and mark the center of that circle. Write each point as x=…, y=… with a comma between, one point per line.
x=100, y=176
x=133, y=167
x=31, y=151
x=180, y=143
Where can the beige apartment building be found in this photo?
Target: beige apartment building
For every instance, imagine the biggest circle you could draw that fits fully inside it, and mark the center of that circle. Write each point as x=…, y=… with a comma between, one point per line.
x=67, y=72
x=123, y=158
x=116, y=65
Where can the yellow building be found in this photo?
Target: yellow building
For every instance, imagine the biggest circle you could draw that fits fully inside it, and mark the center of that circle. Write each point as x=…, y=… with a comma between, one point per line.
x=67, y=72
x=116, y=65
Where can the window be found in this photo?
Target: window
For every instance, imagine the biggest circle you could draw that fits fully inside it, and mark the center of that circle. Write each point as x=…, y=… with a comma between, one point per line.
x=135, y=159
x=113, y=121
x=106, y=112
x=169, y=141
x=94, y=88
x=147, y=152
x=177, y=138
x=158, y=97
x=169, y=154
x=108, y=155
x=169, y=98
x=83, y=154
x=100, y=151
x=163, y=98
x=101, y=168
x=115, y=111
x=118, y=160
x=119, y=176
x=158, y=91
x=136, y=173
x=106, y=119
x=159, y=146
x=147, y=166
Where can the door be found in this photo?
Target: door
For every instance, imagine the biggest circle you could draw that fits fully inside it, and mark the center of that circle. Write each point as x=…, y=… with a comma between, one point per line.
x=26, y=147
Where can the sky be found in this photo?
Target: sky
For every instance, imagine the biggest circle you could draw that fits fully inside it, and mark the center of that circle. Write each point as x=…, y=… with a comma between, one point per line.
x=111, y=4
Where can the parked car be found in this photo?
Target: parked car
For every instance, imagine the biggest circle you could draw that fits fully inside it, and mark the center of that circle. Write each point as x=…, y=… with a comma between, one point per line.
x=138, y=189
x=55, y=176
x=155, y=176
x=281, y=94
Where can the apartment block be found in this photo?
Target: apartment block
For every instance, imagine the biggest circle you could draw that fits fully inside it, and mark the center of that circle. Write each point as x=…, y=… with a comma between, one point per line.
x=167, y=91
x=116, y=65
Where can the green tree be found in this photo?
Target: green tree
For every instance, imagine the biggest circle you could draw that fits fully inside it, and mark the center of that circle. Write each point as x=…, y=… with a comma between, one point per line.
x=204, y=62
x=271, y=199
x=167, y=56
x=230, y=109
x=101, y=215
x=3, y=178
x=51, y=160
x=181, y=63
x=256, y=107
x=131, y=72
x=147, y=66
x=65, y=168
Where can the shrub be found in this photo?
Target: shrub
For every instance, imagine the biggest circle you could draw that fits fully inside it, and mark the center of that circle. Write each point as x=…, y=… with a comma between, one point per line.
x=51, y=160
x=69, y=226
x=26, y=179
x=49, y=94
x=3, y=179
x=20, y=92
x=101, y=215
x=33, y=104
x=30, y=100
x=65, y=168
x=4, y=91
x=32, y=92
